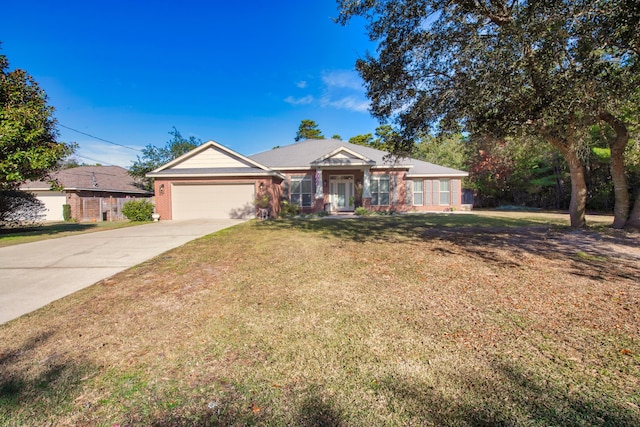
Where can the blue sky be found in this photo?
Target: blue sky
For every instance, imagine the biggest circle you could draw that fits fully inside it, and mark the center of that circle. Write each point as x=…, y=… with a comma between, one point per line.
x=241, y=73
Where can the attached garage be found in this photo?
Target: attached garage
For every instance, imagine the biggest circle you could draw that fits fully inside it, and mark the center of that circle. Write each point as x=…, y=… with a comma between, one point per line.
x=191, y=201
x=211, y=182
x=53, y=202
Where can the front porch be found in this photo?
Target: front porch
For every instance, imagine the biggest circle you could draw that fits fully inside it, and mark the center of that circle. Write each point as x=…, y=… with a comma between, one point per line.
x=340, y=191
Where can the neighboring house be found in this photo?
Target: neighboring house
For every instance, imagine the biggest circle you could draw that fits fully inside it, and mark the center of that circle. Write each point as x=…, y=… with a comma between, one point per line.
x=213, y=181
x=95, y=193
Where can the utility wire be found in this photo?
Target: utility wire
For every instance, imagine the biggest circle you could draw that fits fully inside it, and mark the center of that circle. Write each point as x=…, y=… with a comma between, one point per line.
x=100, y=139
x=95, y=160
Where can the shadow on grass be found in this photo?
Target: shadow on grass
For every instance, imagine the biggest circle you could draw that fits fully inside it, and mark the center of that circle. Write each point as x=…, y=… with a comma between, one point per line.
x=318, y=410
x=31, y=388
x=46, y=229
x=511, y=397
x=508, y=396
x=593, y=254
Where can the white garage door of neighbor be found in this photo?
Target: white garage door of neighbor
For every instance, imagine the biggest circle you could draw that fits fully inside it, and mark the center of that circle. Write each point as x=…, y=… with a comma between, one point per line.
x=213, y=201
x=53, y=205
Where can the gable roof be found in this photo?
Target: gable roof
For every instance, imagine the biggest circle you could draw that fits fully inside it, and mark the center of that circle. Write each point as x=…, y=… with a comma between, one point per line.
x=212, y=159
x=312, y=153
x=343, y=156
x=114, y=179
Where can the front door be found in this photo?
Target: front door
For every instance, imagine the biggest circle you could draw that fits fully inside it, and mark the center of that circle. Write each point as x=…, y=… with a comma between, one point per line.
x=342, y=193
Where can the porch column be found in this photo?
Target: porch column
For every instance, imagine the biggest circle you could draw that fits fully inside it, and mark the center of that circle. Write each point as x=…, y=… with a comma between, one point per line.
x=366, y=185
x=319, y=189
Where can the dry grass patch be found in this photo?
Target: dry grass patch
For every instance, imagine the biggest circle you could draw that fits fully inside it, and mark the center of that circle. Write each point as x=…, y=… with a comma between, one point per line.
x=376, y=321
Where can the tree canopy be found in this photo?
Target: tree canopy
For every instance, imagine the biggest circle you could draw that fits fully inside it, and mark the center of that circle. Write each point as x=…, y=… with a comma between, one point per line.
x=153, y=157
x=516, y=68
x=29, y=149
x=385, y=137
x=308, y=129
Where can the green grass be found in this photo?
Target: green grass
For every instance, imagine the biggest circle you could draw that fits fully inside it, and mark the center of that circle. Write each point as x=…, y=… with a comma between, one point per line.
x=16, y=236
x=409, y=320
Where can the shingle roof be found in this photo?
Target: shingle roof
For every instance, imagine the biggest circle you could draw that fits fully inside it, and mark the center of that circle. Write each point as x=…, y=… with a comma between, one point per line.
x=305, y=153
x=94, y=178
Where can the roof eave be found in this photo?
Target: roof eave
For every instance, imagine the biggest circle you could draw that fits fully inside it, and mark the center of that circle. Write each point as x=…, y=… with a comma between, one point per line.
x=213, y=175
x=438, y=175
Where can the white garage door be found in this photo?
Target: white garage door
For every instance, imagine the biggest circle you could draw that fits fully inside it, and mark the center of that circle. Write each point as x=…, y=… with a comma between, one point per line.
x=213, y=201
x=53, y=205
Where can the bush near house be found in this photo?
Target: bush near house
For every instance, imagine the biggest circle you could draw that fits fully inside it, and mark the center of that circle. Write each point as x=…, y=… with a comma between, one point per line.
x=138, y=210
x=66, y=212
x=289, y=209
x=360, y=211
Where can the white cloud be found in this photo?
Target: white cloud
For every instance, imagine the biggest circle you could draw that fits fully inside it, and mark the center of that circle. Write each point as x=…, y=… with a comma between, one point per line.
x=299, y=101
x=342, y=79
x=96, y=152
x=350, y=103
x=341, y=89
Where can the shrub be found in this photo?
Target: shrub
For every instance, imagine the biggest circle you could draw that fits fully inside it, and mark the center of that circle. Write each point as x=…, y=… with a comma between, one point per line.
x=289, y=209
x=263, y=201
x=18, y=208
x=323, y=213
x=66, y=212
x=138, y=210
x=362, y=211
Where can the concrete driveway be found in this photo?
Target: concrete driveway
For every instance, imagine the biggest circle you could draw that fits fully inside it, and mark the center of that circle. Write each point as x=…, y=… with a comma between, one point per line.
x=34, y=274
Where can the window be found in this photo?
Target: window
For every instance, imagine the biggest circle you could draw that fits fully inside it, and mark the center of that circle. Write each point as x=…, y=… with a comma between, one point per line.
x=418, y=193
x=301, y=191
x=445, y=192
x=380, y=190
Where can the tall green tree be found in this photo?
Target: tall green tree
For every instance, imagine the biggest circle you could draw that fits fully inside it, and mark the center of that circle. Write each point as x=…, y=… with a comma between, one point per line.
x=29, y=149
x=502, y=68
x=445, y=149
x=384, y=140
x=365, y=139
x=153, y=157
x=308, y=129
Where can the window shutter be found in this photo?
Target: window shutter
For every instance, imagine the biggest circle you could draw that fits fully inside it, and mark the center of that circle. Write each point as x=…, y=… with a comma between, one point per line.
x=436, y=192
x=428, y=192
x=408, y=187
x=455, y=193
x=394, y=180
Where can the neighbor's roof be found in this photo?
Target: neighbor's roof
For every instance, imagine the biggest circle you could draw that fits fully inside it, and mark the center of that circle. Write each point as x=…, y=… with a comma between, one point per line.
x=313, y=153
x=112, y=179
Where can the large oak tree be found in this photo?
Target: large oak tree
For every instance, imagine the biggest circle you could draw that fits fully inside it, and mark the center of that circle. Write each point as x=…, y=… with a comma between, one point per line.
x=504, y=67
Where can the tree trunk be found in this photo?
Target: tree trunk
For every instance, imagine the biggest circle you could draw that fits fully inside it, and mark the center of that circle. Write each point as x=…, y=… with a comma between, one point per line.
x=578, y=204
x=618, y=176
x=634, y=219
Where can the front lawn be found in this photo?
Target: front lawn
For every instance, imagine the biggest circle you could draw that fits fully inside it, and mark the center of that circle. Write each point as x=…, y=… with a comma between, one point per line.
x=437, y=320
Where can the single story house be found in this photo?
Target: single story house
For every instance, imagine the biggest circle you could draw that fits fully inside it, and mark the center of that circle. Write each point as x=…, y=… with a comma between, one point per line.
x=213, y=181
x=95, y=193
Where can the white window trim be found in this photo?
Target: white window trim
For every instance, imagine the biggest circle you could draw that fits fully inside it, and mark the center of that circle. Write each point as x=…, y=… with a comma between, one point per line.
x=301, y=178
x=378, y=178
x=421, y=193
x=440, y=192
